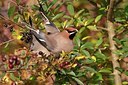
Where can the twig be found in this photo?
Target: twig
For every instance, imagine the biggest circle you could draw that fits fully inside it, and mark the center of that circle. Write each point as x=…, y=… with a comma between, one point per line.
x=118, y=2
x=102, y=28
x=93, y=3
x=6, y=42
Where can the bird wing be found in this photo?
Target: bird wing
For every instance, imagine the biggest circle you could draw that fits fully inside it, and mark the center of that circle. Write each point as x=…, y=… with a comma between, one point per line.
x=40, y=37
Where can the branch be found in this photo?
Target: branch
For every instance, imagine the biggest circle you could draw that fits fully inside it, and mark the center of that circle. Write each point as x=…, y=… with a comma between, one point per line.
x=111, y=34
x=114, y=57
x=110, y=10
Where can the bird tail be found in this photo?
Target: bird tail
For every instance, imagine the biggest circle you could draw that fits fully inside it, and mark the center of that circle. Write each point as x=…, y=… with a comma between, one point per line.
x=42, y=12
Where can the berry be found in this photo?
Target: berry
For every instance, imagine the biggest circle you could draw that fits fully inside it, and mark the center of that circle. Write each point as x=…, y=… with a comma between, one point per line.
x=18, y=62
x=66, y=63
x=27, y=41
x=4, y=59
x=13, y=83
x=41, y=53
x=11, y=66
x=11, y=61
x=22, y=38
x=61, y=65
x=14, y=58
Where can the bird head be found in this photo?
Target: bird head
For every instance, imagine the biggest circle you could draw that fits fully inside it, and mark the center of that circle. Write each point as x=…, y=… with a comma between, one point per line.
x=72, y=32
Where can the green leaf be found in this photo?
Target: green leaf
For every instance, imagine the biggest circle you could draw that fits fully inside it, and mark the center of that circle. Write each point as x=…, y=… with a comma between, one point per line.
x=99, y=42
x=89, y=21
x=18, y=1
x=16, y=18
x=98, y=77
x=13, y=77
x=86, y=53
x=126, y=72
x=70, y=9
x=98, y=18
x=58, y=16
x=90, y=69
x=51, y=4
x=78, y=81
x=88, y=45
x=100, y=55
x=82, y=29
x=69, y=23
x=63, y=72
x=77, y=41
x=89, y=61
x=11, y=11
x=78, y=13
x=71, y=73
x=106, y=70
x=92, y=27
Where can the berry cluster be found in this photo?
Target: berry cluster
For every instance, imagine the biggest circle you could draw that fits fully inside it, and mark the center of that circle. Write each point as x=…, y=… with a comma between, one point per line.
x=26, y=37
x=13, y=60
x=64, y=64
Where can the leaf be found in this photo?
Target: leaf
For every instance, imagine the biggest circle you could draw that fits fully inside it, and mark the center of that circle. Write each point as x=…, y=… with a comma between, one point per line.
x=11, y=11
x=17, y=1
x=78, y=13
x=88, y=45
x=99, y=42
x=92, y=28
x=51, y=4
x=98, y=18
x=89, y=61
x=86, y=53
x=106, y=70
x=77, y=41
x=126, y=72
x=90, y=69
x=78, y=81
x=94, y=58
x=89, y=21
x=70, y=9
x=71, y=73
x=98, y=77
x=84, y=38
x=16, y=18
x=63, y=72
x=69, y=23
x=82, y=29
x=58, y=16
x=100, y=55
x=12, y=76
x=79, y=57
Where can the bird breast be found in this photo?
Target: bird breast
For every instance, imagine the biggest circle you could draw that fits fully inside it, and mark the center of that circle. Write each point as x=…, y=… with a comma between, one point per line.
x=60, y=42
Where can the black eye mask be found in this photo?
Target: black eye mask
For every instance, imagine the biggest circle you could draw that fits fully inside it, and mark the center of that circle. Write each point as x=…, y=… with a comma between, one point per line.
x=72, y=34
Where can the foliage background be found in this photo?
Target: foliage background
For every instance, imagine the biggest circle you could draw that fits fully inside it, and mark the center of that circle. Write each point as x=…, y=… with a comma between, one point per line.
x=99, y=55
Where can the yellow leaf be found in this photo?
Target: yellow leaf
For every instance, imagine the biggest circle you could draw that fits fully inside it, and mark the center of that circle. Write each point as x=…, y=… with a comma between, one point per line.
x=19, y=37
x=79, y=57
x=84, y=38
x=94, y=58
x=74, y=65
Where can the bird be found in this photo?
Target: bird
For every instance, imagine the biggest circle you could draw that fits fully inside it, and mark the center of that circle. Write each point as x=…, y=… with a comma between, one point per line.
x=53, y=41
